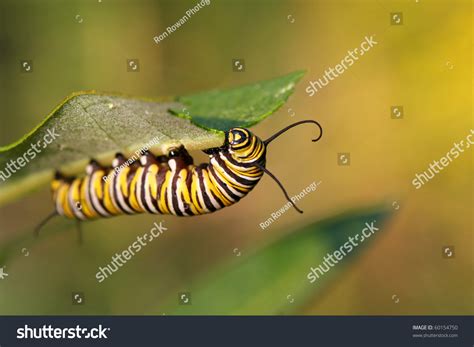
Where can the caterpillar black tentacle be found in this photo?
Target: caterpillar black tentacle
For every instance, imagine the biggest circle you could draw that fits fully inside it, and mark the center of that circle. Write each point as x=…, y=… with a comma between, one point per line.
x=170, y=184
x=264, y=169
x=44, y=221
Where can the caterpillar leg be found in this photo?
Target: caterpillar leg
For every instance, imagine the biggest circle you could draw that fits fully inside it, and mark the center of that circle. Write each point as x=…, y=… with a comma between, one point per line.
x=181, y=155
x=147, y=158
x=93, y=166
x=119, y=160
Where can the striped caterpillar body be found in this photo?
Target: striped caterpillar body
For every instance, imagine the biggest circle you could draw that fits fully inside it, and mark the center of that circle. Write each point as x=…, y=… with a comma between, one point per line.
x=169, y=184
x=166, y=185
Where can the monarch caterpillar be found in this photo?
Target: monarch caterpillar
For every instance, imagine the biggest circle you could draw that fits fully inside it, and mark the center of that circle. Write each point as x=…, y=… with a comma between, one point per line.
x=169, y=184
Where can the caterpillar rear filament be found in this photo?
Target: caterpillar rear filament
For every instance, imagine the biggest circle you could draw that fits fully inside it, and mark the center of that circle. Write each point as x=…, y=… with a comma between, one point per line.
x=169, y=184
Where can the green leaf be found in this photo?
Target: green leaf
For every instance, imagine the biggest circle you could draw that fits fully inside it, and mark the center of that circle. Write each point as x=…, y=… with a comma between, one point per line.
x=239, y=107
x=96, y=125
x=273, y=280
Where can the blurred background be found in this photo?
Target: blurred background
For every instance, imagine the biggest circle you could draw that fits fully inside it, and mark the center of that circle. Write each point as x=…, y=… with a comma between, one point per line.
x=422, y=63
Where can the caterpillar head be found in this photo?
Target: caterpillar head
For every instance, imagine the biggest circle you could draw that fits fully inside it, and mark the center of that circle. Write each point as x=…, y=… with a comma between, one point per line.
x=249, y=150
x=244, y=146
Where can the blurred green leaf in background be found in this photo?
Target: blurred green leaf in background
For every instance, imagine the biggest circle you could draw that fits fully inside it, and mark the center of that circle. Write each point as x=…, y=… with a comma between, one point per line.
x=273, y=280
